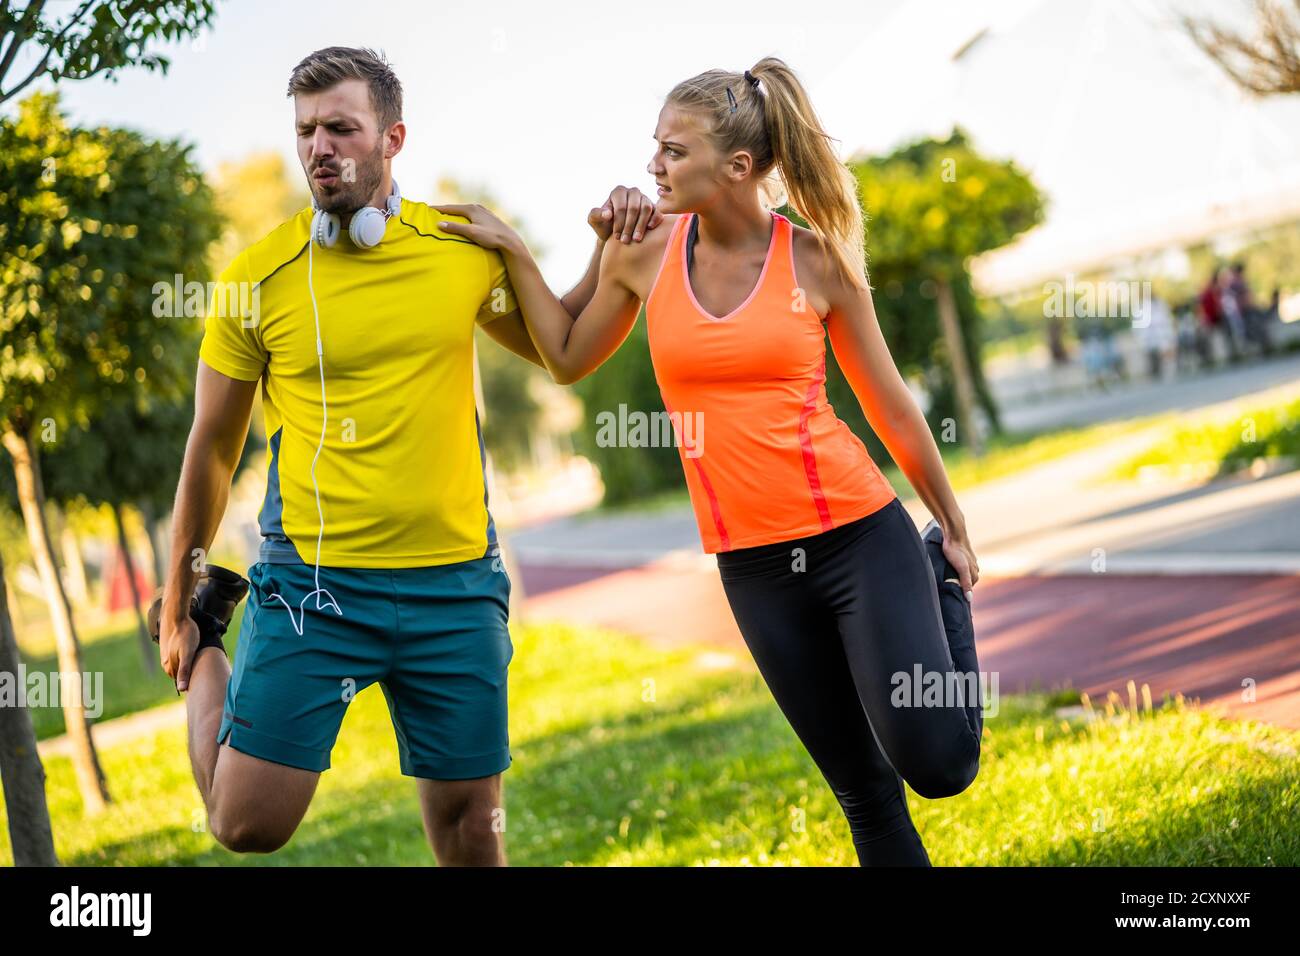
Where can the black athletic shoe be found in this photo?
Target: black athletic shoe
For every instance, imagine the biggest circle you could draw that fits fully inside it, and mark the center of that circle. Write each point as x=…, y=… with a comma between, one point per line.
x=212, y=605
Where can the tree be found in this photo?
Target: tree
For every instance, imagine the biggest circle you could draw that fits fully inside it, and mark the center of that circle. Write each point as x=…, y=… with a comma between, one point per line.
x=90, y=222
x=21, y=771
x=100, y=36
x=1267, y=62
x=931, y=206
x=254, y=195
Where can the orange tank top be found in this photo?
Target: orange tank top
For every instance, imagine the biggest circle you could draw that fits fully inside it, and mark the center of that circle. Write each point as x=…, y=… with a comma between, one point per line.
x=766, y=458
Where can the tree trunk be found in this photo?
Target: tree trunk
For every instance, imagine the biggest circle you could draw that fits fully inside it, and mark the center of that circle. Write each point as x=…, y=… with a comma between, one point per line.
x=75, y=582
x=21, y=772
x=90, y=777
x=15, y=609
x=153, y=529
x=964, y=387
x=147, y=651
x=54, y=531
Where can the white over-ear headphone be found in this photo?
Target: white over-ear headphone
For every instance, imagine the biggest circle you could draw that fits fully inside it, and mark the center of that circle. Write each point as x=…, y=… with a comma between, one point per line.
x=366, y=228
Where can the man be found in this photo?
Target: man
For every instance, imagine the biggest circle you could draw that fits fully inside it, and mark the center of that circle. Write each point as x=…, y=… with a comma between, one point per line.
x=379, y=560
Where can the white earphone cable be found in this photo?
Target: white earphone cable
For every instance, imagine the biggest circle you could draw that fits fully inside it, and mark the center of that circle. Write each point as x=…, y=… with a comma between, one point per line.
x=301, y=621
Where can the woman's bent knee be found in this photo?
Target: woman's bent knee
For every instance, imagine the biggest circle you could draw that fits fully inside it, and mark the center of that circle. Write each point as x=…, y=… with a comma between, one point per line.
x=945, y=779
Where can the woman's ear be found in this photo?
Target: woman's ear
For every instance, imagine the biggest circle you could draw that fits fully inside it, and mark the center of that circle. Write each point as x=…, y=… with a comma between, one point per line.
x=740, y=165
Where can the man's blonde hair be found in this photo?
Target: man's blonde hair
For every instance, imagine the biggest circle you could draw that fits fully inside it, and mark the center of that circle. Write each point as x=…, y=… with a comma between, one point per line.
x=332, y=65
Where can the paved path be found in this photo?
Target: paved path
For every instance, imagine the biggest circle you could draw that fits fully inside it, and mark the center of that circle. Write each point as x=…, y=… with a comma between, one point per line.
x=120, y=729
x=1144, y=397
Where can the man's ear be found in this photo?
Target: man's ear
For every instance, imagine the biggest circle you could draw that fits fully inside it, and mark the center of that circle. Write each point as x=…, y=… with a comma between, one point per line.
x=394, y=139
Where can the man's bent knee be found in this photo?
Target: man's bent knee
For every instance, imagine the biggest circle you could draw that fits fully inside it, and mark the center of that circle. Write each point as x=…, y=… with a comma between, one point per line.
x=256, y=805
x=244, y=835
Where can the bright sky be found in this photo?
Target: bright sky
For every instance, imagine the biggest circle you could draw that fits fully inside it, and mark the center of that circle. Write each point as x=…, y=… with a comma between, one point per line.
x=550, y=105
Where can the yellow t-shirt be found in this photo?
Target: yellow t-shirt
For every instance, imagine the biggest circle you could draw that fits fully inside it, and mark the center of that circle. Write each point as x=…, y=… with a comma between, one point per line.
x=401, y=470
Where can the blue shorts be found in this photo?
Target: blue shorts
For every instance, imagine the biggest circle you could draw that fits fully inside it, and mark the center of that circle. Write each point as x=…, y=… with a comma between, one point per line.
x=435, y=638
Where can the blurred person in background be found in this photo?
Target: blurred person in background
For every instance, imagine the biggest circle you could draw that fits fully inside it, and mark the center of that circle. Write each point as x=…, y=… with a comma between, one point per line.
x=1193, y=350
x=1210, y=313
x=1155, y=330
x=1255, y=319
x=1234, y=321
x=1056, y=341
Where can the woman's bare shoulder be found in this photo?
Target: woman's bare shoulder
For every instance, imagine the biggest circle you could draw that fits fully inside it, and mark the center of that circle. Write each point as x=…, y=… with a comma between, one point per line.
x=814, y=267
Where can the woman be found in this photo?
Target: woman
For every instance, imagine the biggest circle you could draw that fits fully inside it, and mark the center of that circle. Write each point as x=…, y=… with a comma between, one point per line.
x=839, y=599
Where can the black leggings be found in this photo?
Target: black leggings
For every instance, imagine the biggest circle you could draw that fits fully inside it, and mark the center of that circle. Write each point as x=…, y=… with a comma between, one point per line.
x=848, y=628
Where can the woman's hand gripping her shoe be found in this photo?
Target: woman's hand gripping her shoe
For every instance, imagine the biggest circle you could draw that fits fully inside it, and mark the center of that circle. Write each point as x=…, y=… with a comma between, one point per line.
x=958, y=553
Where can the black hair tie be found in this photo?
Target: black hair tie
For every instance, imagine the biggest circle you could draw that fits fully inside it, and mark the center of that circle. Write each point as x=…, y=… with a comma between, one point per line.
x=752, y=80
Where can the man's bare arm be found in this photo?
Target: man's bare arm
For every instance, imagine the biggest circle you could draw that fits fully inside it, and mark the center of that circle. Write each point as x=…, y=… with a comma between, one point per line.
x=222, y=408
x=510, y=332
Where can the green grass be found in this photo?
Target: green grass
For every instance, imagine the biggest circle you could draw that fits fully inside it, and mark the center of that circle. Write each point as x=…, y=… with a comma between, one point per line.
x=1216, y=445
x=625, y=754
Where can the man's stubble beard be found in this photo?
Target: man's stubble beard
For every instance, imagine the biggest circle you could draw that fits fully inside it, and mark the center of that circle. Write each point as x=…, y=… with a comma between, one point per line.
x=352, y=196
